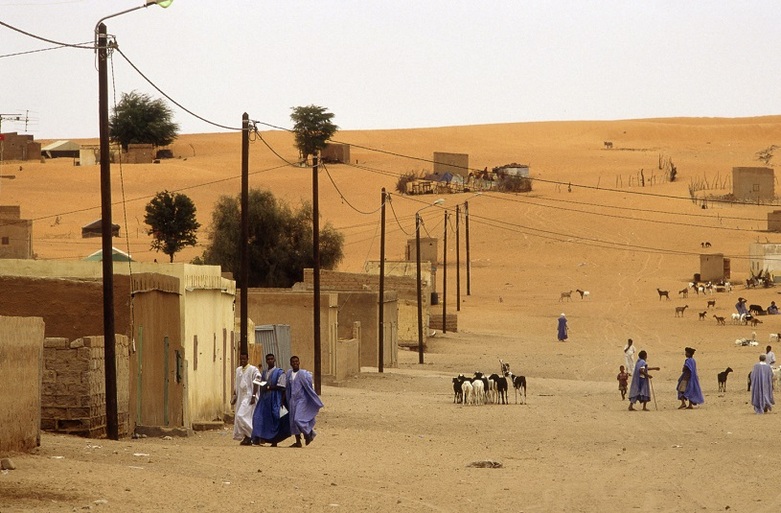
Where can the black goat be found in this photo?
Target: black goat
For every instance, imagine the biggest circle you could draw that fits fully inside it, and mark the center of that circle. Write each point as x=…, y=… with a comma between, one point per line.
x=458, y=393
x=723, y=379
x=519, y=384
x=501, y=387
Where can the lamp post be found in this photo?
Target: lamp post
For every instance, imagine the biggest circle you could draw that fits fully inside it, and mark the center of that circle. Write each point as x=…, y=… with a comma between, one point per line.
x=109, y=355
x=417, y=262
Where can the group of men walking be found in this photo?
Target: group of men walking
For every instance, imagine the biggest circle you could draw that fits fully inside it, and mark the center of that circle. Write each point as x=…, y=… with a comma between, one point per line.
x=272, y=405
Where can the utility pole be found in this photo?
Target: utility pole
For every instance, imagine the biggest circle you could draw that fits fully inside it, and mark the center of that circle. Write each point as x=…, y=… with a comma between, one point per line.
x=468, y=260
x=458, y=260
x=381, y=334
x=316, y=271
x=444, y=277
x=244, y=244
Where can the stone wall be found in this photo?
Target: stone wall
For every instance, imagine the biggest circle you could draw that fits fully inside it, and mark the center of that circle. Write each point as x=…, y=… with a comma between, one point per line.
x=73, y=397
x=451, y=322
x=20, y=383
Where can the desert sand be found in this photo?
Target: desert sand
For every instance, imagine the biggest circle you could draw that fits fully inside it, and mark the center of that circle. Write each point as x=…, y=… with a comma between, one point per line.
x=395, y=441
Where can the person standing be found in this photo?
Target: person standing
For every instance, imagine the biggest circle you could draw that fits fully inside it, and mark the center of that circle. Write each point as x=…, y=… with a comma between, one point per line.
x=640, y=389
x=629, y=356
x=563, y=329
x=623, y=379
x=267, y=426
x=770, y=357
x=244, y=398
x=762, y=386
x=303, y=402
x=689, y=382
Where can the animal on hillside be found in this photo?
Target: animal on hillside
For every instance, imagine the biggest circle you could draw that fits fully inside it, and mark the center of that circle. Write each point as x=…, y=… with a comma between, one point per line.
x=566, y=295
x=663, y=293
x=702, y=315
x=680, y=309
x=705, y=244
x=519, y=384
x=756, y=310
x=458, y=391
x=608, y=145
x=754, y=321
x=722, y=378
x=684, y=293
x=501, y=388
x=720, y=320
x=583, y=293
x=711, y=303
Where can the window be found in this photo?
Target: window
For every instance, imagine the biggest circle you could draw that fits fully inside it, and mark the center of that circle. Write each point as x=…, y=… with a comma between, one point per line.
x=6, y=241
x=756, y=187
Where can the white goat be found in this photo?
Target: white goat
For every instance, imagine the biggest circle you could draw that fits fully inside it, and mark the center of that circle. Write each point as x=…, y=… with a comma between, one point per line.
x=774, y=338
x=584, y=294
x=478, y=391
x=467, y=391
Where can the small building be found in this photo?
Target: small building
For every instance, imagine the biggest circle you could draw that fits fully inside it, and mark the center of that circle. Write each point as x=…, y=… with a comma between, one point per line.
x=59, y=149
x=16, y=234
x=19, y=147
x=714, y=267
x=755, y=184
x=139, y=154
x=764, y=258
x=454, y=163
x=89, y=155
x=95, y=229
x=334, y=153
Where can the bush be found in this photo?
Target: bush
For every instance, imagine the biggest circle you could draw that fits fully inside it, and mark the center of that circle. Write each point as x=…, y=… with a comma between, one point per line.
x=401, y=183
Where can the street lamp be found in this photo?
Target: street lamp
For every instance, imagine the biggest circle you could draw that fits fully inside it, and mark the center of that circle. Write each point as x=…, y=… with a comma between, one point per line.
x=109, y=355
x=417, y=261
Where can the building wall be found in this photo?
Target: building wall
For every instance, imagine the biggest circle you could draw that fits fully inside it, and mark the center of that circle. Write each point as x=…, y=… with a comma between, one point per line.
x=16, y=234
x=362, y=306
x=754, y=184
x=286, y=306
x=764, y=257
x=21, y=354
x=336, y=153
x=73, y=398
x=20, y=147
x=774, y=221
x=405, y=287
x=453, y=163
x=138, y=154
x=712, y=267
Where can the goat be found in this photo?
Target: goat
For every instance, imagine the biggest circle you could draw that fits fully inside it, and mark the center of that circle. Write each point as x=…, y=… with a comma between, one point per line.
x=583, y=293
x=711, y=303
x=567, y=295
x=663, y=293
x=466, y=391
x=458, y=393
x=702, y=315
x=756, y=310
x=519, y=384
x=684, y=293
x=608, y=145
x=705, y=244
x=720, y=320
x=679, y=310
x=722, y=377
x=501, y=388
x=774, y=337
x=478, y=391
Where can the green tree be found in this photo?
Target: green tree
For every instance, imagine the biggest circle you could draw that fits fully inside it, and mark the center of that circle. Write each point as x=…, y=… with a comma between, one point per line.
x=171, y=218
x=280, y=240
x=313, y=128
x=139, y=119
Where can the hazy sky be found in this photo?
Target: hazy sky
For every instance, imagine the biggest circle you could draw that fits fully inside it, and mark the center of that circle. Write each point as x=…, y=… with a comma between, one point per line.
x=401, y=64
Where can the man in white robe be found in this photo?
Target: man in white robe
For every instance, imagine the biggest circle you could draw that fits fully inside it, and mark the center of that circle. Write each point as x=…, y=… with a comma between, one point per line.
x=244, y=399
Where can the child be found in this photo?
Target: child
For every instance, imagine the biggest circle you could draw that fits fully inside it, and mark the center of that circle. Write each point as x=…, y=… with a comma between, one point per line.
x=623, y=379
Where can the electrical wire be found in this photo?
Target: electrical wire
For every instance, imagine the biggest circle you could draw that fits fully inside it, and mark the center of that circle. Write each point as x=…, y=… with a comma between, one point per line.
x=88, y=46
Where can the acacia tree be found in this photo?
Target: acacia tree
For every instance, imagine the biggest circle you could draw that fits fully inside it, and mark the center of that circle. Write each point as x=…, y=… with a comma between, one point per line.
x=140, y=119
x=313, y=128
x=171, y=218
x=280, y=240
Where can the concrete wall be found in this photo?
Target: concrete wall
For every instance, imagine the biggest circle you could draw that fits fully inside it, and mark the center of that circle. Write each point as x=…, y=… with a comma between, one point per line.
x=362, y=306
x=21, y=354
x=453, y=163
x=336, y=153
x=73, y=398
x=756, y=184
x=764, y=257
x=20, y=147
x=712, y=267
x=16, y=234
x=292, y=307
x=400, y=277
x=347, y=364
x=774, y=221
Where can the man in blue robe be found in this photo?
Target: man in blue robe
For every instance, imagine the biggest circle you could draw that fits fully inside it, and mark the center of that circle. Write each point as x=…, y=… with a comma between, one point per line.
x=562, y=328
x=762, y=386
x=689, y=382
x=267, y=426
x=640, y=389
x=303, y=402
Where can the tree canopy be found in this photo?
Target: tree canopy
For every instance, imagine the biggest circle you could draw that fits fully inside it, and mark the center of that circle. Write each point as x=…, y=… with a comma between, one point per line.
x=171, y=218
x=313, y=128
x=140, y=119
x=280, y=240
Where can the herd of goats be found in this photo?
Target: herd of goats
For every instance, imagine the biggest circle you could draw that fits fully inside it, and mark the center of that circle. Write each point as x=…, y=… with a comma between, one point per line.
x=492, y=389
